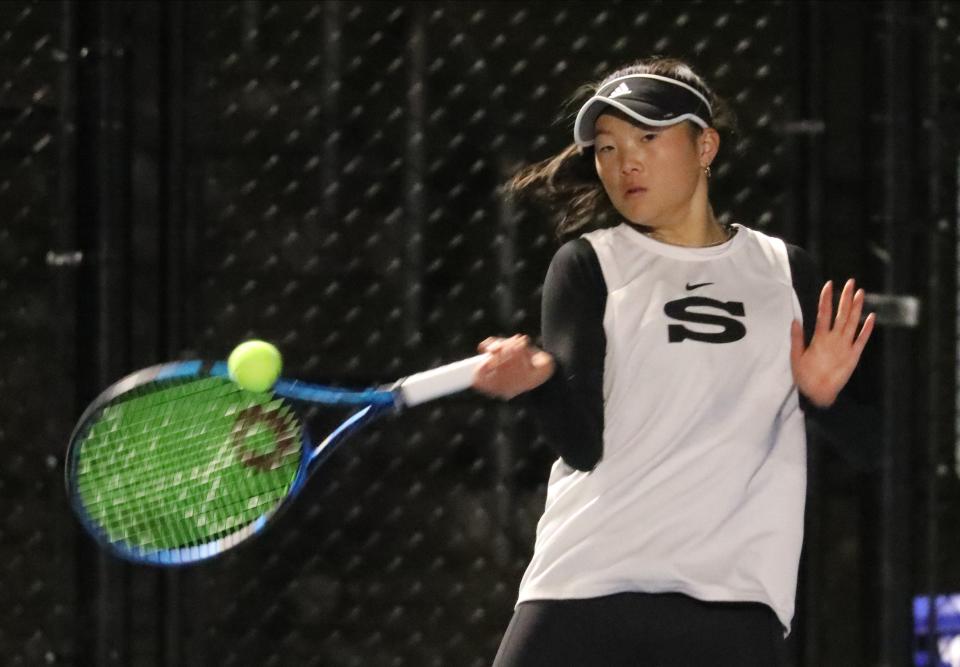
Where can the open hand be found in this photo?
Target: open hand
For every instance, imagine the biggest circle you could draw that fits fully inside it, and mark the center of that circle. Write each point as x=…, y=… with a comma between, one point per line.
x=514, y=366
x=821, y=369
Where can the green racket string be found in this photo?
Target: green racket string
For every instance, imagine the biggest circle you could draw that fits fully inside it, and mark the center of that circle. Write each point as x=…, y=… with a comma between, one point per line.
x=183, y=463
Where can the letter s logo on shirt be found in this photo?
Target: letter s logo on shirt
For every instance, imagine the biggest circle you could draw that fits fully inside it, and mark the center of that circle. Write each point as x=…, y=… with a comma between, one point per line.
x=733, y=330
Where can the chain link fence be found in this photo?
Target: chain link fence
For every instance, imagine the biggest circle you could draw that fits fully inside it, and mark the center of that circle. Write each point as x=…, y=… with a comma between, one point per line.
x=350, y=209
x=36, y=539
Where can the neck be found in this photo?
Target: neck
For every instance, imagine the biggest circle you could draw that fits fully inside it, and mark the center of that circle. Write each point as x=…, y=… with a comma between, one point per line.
x=712, y=233
x=693, y=231
x=693, y=225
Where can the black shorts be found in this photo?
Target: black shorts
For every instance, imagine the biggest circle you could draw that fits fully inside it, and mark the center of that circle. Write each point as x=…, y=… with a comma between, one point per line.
x=642, y=630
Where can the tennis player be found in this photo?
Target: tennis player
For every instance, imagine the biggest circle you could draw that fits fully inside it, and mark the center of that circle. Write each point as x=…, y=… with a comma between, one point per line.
x=679, y=358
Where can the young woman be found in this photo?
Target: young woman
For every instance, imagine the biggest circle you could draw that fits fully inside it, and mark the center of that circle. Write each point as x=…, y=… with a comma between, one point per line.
x=679, y=356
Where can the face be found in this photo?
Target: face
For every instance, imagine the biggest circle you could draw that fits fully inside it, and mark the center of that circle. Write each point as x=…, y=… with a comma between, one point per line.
x=653, y=176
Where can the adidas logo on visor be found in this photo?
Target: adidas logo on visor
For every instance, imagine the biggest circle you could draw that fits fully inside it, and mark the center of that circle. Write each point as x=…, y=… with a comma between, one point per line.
x=622, y=89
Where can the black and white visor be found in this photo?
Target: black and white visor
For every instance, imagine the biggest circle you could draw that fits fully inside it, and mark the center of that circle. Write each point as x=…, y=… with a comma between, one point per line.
x=651, y=99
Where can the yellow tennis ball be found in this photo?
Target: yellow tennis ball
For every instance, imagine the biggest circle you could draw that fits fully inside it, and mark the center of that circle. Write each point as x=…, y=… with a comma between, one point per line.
x=255, y=365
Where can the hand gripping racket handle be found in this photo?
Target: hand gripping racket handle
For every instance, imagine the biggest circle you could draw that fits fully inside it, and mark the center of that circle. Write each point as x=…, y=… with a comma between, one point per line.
x=428, y=385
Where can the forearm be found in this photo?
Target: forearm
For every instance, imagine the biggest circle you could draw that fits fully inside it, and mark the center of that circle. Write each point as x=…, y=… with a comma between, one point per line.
x=572, y=429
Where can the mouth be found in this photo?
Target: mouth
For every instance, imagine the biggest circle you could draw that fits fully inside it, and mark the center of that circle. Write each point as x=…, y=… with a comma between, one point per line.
x=635, y=191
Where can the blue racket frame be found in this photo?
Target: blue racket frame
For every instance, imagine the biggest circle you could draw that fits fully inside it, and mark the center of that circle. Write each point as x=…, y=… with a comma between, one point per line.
x=372, y=403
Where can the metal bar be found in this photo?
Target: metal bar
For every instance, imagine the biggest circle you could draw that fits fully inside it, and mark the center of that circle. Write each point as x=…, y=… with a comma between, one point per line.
x=414, y=173
x=112, y=350
x=506, y=434
x=894, y=310
x=950, y=121
x=937, y=322
x=810, y=649
x=814, y=143
x=65, y=234
x=67, y=282
x=172, y=166
x=332, y=46
x=895, y=536
x=109, y=621
x=171, y=258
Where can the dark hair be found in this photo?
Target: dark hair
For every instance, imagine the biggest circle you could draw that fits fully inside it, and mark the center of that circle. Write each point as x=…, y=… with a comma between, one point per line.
x=568, y=181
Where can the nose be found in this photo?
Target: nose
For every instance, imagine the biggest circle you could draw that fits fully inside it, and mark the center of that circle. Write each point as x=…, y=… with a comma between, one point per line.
x=631, y=160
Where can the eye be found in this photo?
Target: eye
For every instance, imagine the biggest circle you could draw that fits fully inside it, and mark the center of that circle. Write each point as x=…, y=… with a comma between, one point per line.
x=650, y=136
x=605, y=148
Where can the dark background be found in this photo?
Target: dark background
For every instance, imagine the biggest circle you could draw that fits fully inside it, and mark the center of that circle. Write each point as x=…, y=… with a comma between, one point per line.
x=177, y=177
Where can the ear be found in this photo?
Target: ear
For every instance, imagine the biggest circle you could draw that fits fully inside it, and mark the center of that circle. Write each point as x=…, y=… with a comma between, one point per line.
x=708, y=145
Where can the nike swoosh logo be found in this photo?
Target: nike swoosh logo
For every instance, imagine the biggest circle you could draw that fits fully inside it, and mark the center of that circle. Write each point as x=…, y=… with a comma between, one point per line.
x=693, y=287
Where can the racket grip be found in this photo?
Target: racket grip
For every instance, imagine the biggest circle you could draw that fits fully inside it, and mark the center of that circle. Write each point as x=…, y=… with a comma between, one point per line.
x=448, y=379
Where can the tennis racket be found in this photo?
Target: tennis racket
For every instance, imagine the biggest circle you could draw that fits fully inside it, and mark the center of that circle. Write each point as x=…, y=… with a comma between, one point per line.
x=177, y=463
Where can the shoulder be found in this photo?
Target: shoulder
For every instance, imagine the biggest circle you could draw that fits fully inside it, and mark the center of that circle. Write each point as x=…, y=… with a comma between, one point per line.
x=576, y=262
x=576, y=256
x=802, y=266
x=767, y=242
x=798, y=255
x=605, y=237
x=793, y=251
x=789, y=256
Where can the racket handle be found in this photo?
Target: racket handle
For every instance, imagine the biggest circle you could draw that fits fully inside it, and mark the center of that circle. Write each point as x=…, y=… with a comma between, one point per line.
x=448, y=379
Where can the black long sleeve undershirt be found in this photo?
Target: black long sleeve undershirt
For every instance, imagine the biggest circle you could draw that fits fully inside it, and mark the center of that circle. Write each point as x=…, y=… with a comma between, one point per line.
x=851, y=427
x=569, y=406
